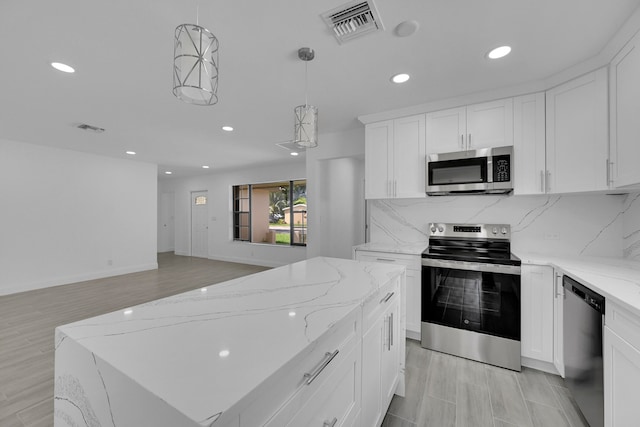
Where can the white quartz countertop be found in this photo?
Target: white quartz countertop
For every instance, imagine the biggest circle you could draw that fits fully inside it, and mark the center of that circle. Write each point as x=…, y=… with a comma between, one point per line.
x=616, y=279
x=205, y=350
x=400, y=248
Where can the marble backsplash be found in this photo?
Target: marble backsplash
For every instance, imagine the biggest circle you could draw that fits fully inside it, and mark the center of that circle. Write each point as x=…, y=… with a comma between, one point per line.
x=594, y=224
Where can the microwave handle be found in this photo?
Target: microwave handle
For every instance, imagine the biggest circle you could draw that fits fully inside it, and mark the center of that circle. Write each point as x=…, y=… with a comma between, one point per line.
x=469, y=142
x=462, y=141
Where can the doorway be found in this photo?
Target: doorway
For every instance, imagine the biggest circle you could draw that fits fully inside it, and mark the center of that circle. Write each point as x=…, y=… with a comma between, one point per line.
x=199, y=224
x=166, y=216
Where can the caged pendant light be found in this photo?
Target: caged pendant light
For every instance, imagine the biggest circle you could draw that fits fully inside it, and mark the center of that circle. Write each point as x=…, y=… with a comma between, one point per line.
x=195, y=65
x=306, y=116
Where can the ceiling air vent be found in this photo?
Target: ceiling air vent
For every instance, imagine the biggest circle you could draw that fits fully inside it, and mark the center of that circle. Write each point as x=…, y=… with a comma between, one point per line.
x=85, y=126
x=353, y=20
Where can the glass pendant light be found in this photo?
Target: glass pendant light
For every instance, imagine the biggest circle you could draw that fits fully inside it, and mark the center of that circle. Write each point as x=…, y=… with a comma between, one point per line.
x=306, y=116
x=195, y=65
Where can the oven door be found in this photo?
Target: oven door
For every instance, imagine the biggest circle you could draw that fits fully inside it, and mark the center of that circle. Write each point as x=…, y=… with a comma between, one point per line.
x=479, y=297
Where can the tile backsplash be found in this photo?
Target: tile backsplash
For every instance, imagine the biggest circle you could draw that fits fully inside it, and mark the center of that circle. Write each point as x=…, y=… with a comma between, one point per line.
x=594, y=224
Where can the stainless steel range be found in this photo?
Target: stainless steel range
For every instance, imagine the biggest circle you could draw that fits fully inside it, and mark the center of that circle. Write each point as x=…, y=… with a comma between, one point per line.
x=471, y=293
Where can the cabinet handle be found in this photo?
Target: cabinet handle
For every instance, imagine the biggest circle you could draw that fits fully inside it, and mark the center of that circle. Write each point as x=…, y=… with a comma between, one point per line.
x=556, y=292
x=469, y=142
x=385, y=259
x=462, y=141
x=542, y=181
x=391, y=332
x=311, y=376
x=330, y=423
x=609, y=180
x=395, y=188
x=548, y=181
x=387, y=297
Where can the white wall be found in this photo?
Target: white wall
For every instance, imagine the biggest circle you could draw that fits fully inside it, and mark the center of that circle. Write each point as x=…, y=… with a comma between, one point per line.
x=553, y=224
x=631, y=226
x=67, y=216
x=219, y=185
x=337, y=162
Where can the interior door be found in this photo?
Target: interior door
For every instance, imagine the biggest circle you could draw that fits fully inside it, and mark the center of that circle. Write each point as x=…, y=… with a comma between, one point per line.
x=166, y=235
x=199, y=224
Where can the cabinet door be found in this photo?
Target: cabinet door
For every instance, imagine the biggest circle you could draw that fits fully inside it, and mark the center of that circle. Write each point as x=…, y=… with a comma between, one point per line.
x=409, y=157
x=490, y=124
x=446, y=130
x=413, y=301
x=621, y=379
x=372, y=342
x=537, y=312
x=558, y=324
x=390, y=354
x=529, y=144
x=378, y=159
x=625, y=114
x=577, y=134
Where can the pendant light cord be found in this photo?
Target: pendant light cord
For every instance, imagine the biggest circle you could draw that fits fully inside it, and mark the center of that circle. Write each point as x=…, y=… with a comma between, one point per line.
x=306, y=83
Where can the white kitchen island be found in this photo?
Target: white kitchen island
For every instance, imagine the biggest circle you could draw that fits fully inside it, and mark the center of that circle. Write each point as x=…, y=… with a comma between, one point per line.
x=236, y=353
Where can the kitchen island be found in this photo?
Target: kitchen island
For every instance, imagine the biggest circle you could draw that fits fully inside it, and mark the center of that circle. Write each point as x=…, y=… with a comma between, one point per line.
x=264, y=349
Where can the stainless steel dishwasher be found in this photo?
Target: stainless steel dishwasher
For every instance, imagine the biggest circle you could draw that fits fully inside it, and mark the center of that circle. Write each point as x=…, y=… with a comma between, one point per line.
x=582, y=341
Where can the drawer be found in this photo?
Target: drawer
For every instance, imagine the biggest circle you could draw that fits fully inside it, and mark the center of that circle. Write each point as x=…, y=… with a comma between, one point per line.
x=410, y=261
x=283, y=394
x=623, y=322
x=378, y=303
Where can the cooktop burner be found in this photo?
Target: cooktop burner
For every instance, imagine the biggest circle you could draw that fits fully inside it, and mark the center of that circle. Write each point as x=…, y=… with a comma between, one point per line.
x=486, y=243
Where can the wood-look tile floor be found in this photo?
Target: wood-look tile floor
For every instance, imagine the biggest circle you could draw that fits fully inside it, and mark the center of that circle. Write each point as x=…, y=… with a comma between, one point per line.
x=28, y=320
x=448, y=391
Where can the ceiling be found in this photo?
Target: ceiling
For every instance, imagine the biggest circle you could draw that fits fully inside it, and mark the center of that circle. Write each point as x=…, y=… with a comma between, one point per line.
x=122, y=51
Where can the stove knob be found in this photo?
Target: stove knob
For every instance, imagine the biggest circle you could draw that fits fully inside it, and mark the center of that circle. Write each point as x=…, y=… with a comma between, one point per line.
x=433, y=228
x=440, y=228
x=504, y=230
x=495, y=230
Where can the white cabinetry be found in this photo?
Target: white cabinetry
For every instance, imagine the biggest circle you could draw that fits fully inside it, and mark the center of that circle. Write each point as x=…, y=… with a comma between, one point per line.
x=625, y=114
x=413, y=290
x=621, y=366
x=577, y=134
x=537, y=312
x=395, y=158
x=380, y=350
x=558, y=324
x=489, y=124
x=529, y=144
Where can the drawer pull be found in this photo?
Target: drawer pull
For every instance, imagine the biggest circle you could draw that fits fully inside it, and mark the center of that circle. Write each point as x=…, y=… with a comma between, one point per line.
x=330, y=423
x=385, y=259
x=387, y=297
x=390, y=331
x=311, y=376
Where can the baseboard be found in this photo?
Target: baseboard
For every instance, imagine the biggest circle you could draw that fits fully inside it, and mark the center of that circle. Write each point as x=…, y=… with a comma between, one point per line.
x=539, y=365
x=413, y=335
x=251, y=261
x=59, y=281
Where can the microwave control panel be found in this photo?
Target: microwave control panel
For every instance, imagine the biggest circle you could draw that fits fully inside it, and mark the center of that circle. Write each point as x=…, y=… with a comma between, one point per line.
x=502, y=168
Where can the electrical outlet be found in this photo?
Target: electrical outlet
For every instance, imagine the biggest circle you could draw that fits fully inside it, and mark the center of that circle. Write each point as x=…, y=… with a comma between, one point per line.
x=551, y=236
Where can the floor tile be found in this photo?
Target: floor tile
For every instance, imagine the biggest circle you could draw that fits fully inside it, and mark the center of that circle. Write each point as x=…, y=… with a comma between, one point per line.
x=442, y=376
x=506, y=399
x=416, y=355
x=473, y=406
x=436, y=412
x=415, y=384
x=500, y=423
x=556, y=380
x=547, y=416
x=393, y=421
x=570, y=408
x=536, y=388
x=472, y=372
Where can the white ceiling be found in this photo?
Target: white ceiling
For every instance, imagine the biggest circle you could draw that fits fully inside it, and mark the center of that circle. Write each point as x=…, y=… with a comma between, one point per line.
x=123, y=51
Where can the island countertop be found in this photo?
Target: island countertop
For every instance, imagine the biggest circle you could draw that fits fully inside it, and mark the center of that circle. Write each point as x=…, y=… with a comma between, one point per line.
x=202, y=352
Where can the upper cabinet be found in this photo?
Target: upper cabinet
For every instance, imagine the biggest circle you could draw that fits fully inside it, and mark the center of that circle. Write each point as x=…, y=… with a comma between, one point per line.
x=529, y=144
x=489, y=124
x=577, y=135
x=395, y=158
x=625, y=115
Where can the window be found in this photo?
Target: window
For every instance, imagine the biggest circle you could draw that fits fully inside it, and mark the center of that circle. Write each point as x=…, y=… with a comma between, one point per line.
x=273, y=213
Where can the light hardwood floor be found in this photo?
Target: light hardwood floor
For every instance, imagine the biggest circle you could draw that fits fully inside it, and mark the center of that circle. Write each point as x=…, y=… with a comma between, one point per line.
x=442, y=390
x=448, y=391
x=28, y=319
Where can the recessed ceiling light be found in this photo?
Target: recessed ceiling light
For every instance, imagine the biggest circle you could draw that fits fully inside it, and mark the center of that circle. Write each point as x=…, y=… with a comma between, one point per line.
x=227, y=128
x=168, y=172
x=131, y=153
x=205, y=167
x=62, y=67
x=224, y=353
x=400, y=78
x=294, y=153
x=499, y=52
x=406, y=28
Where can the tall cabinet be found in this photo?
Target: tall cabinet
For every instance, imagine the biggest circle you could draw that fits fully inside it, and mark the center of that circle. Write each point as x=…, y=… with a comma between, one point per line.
x=395, y=158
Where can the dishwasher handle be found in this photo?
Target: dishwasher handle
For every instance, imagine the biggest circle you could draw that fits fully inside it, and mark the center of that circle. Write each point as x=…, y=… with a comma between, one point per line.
x=593, y=299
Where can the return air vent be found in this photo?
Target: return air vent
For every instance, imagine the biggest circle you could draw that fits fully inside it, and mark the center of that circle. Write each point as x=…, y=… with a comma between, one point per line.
x=85, y=126
x=353, y=20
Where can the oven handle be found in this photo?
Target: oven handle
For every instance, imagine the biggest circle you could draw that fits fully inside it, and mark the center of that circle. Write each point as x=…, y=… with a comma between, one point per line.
x=473, y=266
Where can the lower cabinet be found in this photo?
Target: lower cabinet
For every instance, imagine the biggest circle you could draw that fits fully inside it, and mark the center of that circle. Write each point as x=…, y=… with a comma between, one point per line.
x=537, y=312
x=558, y=324
x=380, y=360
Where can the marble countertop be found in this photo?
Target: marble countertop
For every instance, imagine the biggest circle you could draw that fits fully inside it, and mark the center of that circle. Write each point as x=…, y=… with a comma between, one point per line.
x=205, y=350
x=616, y=279
x=401, y=248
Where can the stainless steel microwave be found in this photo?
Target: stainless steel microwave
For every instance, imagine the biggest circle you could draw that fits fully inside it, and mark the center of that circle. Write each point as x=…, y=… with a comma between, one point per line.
x=483, y=171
